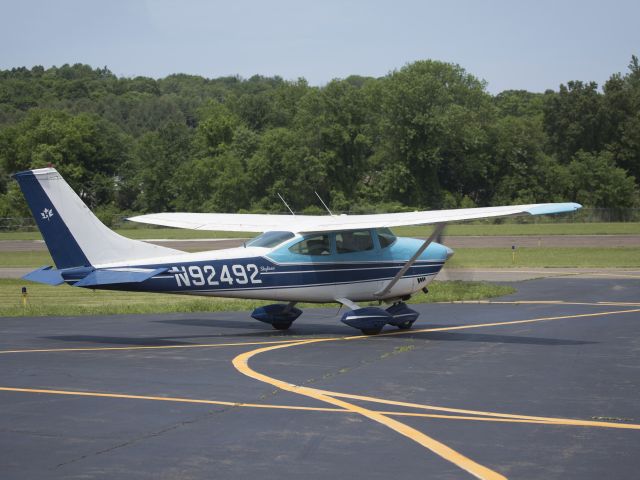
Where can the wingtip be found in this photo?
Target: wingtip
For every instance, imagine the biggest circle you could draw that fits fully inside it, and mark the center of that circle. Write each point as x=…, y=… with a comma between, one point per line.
x=552, y=208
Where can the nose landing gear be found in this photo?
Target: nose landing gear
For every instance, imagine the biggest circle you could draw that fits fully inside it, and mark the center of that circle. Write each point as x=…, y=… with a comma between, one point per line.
x=402, y=316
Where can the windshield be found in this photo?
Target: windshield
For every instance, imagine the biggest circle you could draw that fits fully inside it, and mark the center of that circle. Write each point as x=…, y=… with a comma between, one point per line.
x=269, y=239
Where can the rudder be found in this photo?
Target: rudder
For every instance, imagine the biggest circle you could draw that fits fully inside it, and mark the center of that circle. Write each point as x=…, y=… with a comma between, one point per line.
x=74, y=236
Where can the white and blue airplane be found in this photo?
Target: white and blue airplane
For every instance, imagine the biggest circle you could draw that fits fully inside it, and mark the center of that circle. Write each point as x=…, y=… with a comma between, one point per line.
x=334, y=258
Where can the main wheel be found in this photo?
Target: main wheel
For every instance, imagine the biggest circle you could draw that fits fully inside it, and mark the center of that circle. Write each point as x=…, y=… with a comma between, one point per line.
x=281, y=326
x=405, y=325
x=371, y=331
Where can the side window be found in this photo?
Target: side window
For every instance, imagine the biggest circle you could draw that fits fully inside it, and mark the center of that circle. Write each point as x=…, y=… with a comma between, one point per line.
x=316, y=245
x=355, y=241
x=385, y=237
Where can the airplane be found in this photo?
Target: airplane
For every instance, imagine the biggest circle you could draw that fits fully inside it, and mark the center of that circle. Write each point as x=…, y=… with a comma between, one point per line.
x=343, y=259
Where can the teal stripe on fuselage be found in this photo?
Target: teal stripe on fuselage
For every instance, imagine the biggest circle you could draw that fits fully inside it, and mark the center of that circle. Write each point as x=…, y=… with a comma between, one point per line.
x=399, y=251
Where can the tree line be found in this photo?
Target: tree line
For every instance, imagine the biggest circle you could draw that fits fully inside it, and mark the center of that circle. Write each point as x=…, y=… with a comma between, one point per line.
x=426, y=136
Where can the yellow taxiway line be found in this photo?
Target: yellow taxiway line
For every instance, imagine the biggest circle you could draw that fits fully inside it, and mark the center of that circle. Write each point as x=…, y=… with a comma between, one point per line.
x=472, y=414
x=546, y=302
x=241, y=364
x=552, y=272
x=147, y=347
x=166, y=399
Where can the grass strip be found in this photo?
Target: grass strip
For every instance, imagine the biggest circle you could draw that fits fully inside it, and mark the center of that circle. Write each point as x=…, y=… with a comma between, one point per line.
x=44, y=300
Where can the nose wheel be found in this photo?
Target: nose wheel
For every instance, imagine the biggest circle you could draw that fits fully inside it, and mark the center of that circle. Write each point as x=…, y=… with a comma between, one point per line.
x=405, y=326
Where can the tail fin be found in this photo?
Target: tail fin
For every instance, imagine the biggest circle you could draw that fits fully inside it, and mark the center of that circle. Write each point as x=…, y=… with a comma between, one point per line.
x=74, y=236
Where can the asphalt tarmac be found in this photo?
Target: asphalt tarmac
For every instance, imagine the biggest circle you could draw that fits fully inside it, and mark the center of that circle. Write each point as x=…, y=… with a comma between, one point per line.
x=542, y=384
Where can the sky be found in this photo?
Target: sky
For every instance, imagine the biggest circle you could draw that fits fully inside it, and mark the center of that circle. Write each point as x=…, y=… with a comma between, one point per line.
x=511, y=44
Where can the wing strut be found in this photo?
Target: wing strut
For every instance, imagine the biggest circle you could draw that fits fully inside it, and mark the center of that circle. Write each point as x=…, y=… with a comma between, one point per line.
x=435, y=234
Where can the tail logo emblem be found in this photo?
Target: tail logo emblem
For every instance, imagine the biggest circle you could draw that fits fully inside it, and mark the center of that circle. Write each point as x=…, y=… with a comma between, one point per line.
x=46, y=214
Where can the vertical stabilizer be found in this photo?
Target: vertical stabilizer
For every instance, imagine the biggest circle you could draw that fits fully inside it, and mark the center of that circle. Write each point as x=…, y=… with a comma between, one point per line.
x=73, y=234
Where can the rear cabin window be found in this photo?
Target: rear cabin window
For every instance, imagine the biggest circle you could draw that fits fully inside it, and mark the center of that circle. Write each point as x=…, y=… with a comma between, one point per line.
x=315, y=245
x=385, y=237
x=269, y=239
x=355, y=241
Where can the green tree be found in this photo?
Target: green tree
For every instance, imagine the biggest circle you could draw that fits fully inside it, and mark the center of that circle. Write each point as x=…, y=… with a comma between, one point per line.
x=282, y=164
x=622, y=106
x=156, y=158
x=574, y=119
x=334, y=123
x=433, y=118
x=87, y=150
x=598, y=182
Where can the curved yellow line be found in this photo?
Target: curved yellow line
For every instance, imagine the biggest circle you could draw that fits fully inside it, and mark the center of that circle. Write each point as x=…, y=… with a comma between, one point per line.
x=241, y=364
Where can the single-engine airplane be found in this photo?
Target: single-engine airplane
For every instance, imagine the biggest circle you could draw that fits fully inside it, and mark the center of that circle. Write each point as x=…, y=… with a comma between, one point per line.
x=334, y=258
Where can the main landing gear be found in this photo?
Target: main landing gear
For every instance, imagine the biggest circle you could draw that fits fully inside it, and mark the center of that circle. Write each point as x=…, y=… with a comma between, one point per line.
x=279, y=315
x=370, y=320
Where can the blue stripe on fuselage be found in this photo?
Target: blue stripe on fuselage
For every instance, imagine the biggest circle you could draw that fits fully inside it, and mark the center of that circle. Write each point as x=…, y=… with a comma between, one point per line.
x=262, y=273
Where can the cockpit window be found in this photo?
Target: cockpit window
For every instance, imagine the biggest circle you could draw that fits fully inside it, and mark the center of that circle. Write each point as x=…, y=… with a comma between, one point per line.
x=269, y=239
x=355, y=241
x=315, y=245
x=385, y=237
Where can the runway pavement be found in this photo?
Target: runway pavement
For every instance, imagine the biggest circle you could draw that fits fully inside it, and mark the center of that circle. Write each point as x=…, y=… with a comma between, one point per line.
x=540, y=384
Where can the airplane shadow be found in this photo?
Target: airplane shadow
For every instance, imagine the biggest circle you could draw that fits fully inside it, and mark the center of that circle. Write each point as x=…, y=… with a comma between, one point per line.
x=302, y=331
x=128, y=341
x=302, y=328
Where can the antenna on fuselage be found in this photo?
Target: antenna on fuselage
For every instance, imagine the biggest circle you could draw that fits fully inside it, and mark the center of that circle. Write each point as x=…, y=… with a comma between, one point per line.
x=286, y=205
x=323, y=204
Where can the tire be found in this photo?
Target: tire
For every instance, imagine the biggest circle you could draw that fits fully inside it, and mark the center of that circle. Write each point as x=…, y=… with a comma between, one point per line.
x=281, y=326
x=371, y=331
x=405, y=326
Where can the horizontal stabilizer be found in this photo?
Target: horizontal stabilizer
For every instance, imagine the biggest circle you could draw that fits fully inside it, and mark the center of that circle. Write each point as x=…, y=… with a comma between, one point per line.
x=109, y=276
x=46, y=275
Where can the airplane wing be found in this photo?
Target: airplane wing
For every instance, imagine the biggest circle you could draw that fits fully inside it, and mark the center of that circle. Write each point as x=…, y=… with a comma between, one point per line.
x=232, y=222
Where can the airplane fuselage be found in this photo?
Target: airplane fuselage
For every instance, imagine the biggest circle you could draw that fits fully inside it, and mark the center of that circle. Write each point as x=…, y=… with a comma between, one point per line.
x=279, y=274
